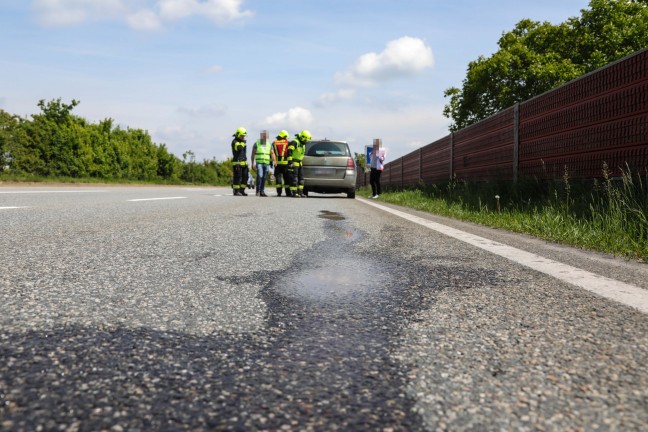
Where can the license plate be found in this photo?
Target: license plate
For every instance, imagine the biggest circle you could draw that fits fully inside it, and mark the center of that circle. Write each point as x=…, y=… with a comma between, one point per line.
x=323, y=172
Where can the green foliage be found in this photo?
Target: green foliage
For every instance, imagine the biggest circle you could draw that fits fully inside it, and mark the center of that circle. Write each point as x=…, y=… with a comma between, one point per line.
x=360, y=161
x=11, y=135
x=57, y=144
x=610, y=30
x=57, y=111
x=535, y=57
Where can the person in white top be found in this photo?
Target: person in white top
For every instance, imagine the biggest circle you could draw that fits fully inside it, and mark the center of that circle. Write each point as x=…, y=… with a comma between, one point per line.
x=376, y=161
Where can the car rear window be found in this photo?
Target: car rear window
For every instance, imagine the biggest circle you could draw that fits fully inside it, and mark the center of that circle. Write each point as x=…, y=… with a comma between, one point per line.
x=327, y=148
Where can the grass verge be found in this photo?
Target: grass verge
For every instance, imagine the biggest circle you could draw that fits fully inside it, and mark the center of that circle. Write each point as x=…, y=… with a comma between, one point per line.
x=608, y=215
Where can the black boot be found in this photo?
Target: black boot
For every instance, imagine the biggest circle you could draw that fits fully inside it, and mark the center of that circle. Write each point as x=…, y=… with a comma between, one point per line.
x=236, y=192
x=242, y=192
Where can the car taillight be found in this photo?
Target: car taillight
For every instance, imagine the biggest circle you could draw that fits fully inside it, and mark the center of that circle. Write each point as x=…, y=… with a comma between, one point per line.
x=350, y=163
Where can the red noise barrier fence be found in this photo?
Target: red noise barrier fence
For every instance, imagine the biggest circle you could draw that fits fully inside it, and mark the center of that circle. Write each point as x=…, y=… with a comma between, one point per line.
x=577, y=128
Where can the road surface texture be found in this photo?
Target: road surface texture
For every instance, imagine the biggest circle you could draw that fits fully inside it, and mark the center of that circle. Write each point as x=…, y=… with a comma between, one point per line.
x=169, y=308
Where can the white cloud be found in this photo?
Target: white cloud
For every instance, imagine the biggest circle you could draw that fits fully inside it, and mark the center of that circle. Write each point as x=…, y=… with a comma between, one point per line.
x=329, y=98
x=401, y=57
x=221, y=11
x=218, y=11
x=294, y=118
x=140, y=15
x=69, y=12
x=144, y=20
x=172, y=10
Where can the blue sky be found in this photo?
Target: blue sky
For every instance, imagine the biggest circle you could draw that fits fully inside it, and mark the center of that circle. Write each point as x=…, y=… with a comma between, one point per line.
x=192, y=71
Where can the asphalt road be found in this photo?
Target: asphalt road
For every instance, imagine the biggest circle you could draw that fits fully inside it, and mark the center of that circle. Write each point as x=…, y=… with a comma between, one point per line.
x=169, y=308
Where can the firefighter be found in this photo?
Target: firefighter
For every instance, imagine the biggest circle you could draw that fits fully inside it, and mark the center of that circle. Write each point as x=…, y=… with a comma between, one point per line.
x=296, y=150
x=239, y=162
x=282, y=179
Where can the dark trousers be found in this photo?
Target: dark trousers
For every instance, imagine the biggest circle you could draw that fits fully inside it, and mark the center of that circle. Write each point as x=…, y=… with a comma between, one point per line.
x=374, y=180
x=297, y=183
x=240, y=177
x=281, y=178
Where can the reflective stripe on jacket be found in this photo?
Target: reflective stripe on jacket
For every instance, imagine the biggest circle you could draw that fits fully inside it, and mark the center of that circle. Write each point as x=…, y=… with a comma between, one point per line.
x=296, y=150
x=239, y=156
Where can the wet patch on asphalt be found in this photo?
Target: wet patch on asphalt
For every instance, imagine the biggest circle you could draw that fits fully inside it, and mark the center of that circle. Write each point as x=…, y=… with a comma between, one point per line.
x=336, y=317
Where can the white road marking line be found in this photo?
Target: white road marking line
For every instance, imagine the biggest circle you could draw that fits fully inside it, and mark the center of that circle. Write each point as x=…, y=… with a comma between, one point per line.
x=7, y=208
x=156, y=199
x=52, y=191
x=621, y=292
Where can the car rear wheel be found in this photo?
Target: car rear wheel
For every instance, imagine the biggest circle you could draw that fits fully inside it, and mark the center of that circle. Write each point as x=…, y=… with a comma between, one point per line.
x=351, y=193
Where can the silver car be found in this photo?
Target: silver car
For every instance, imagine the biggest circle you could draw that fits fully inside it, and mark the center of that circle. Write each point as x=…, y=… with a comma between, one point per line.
x=329, y=167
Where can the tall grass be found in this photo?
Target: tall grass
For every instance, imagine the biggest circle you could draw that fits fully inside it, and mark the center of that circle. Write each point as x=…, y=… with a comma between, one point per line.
x=607, y=215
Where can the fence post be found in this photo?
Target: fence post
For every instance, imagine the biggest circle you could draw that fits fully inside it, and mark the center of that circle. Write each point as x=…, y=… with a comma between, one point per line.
x=516, y=141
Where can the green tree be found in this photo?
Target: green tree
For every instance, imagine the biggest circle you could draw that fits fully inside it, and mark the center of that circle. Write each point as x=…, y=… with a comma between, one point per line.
x=101, y=163
x=57, y=111
x=15, y=145
x=8, y=127
x=535, y=57
x=188, y=173
x=360, y=160
x=54, y=144
x=57, y=143
x=143, y=154
x=224, y=171
x=168, y=164
x=610, y=30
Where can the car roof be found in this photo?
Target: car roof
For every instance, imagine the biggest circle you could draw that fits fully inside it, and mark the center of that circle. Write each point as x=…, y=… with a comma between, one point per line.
x=328, y=140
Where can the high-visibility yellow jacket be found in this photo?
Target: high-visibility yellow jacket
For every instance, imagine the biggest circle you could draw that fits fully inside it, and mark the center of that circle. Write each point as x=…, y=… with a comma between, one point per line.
x=296, y=150
x=262, y=153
